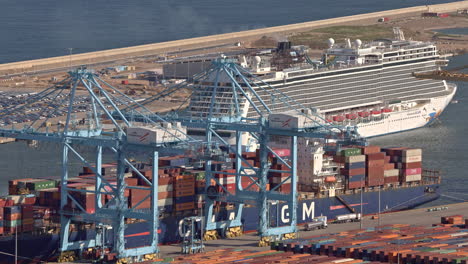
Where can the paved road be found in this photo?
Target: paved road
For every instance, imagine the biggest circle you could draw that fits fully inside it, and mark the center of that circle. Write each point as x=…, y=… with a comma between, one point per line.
x=415, y=217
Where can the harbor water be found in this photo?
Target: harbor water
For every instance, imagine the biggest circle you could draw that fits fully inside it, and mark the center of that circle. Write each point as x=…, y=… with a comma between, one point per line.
x=39, y=29
x=444, y=145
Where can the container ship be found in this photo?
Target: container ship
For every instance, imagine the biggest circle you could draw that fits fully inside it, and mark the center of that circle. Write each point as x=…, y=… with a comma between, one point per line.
x=369, y=86
x=331, y=183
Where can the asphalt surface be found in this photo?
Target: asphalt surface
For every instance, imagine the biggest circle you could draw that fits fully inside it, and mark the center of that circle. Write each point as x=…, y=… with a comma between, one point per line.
x=415, y=217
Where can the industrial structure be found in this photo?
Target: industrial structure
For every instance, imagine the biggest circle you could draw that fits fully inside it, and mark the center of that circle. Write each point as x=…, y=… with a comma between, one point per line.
x=116, y=123
x=221, y=93
x=75, y=136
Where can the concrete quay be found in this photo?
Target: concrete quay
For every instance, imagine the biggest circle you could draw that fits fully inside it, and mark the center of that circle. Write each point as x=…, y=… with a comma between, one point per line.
x=414, y=217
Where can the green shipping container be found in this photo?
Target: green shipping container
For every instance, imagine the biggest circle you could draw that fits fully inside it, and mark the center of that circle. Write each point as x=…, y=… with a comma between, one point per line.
x=350, y=152
x=12, y=223
x=40, y=185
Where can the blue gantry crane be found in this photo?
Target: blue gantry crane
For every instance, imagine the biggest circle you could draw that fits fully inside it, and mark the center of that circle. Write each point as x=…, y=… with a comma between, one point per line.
x=82, y=114
x=217, y=111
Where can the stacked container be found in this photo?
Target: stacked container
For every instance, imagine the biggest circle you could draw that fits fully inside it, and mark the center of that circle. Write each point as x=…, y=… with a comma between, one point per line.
x=408, y=161
x=276, y=178
x=165, y=192
x=2, y=209
x=12, y=216
x=354, y=167
x=354, y=171
x=375, y=169
x=27, y=218
x=184, y=192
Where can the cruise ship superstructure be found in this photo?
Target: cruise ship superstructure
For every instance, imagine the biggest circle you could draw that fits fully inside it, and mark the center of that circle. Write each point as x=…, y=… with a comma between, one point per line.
x=369, y=86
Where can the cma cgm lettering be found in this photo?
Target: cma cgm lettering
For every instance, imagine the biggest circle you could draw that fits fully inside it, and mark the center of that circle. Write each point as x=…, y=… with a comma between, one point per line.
x=305, y=212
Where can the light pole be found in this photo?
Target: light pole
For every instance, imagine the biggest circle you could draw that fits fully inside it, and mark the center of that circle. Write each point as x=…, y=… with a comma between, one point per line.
x=70, y=62
x=378, y=215
x=361, y=218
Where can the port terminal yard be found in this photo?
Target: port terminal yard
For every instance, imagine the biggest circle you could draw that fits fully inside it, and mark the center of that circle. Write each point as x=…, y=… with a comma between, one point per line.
x=420, y=216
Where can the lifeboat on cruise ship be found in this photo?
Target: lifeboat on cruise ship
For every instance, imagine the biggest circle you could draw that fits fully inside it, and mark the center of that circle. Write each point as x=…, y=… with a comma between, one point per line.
x=376, y=112
x=338, y=118
x=330, y=179
x=351, y=116
x=363, y=114
x=329, y=120
x=386, y=110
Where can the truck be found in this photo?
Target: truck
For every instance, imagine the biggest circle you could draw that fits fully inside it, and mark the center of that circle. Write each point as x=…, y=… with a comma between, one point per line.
x=317, y=223
x=345, y=218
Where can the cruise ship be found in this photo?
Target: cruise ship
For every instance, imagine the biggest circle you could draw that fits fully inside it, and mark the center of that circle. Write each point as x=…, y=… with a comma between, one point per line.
x=368, y=86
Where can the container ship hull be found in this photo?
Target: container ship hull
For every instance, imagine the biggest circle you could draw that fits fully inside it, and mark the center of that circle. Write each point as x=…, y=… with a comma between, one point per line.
x=137, y=234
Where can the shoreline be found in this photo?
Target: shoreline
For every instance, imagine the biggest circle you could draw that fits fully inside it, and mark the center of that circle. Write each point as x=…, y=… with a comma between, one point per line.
x=205, y=41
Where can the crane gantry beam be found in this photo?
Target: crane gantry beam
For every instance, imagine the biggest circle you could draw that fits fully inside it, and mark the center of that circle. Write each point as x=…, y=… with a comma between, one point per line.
x=101, y=101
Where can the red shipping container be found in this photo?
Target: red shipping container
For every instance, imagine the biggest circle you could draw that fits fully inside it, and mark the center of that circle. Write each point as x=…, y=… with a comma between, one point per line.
x=246, y=182
x=245, y=155
x=231, y=188
x=375, y=156
x=410, y=171
x=353, y=172
x=375, y=163
x=374, y=181
x=375, y=172
x=356, y=184
x=165, y=195
x=165, y=180
x=387, y=159
x=131, y=181
x=281, y=152
x=389, y=166
x=370, y=150
x=411, y=165
x=11, y=217
x=184, y=177
x=393, y=179
x=29, y=200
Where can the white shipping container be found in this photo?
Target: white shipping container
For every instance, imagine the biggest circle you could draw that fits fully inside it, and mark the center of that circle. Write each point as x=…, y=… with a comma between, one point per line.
x=279, y=180
x=151, y=135
x=166, y=188
x=286, y=121
x=409, y=159
x=357, y=158
x=229, y=180
x=391, y=173
x=165, y=202
x=200, y=198
x=411, y=178
x=412, y=152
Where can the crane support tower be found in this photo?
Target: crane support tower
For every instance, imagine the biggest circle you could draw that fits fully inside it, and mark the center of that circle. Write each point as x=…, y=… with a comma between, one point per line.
x=216, y=113
x=103, y=128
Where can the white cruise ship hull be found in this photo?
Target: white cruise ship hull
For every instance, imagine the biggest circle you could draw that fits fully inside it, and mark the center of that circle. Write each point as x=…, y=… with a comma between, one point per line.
x=404, y=120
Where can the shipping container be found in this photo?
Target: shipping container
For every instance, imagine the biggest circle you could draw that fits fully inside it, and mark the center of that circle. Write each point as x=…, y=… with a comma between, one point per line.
x=350, y=152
